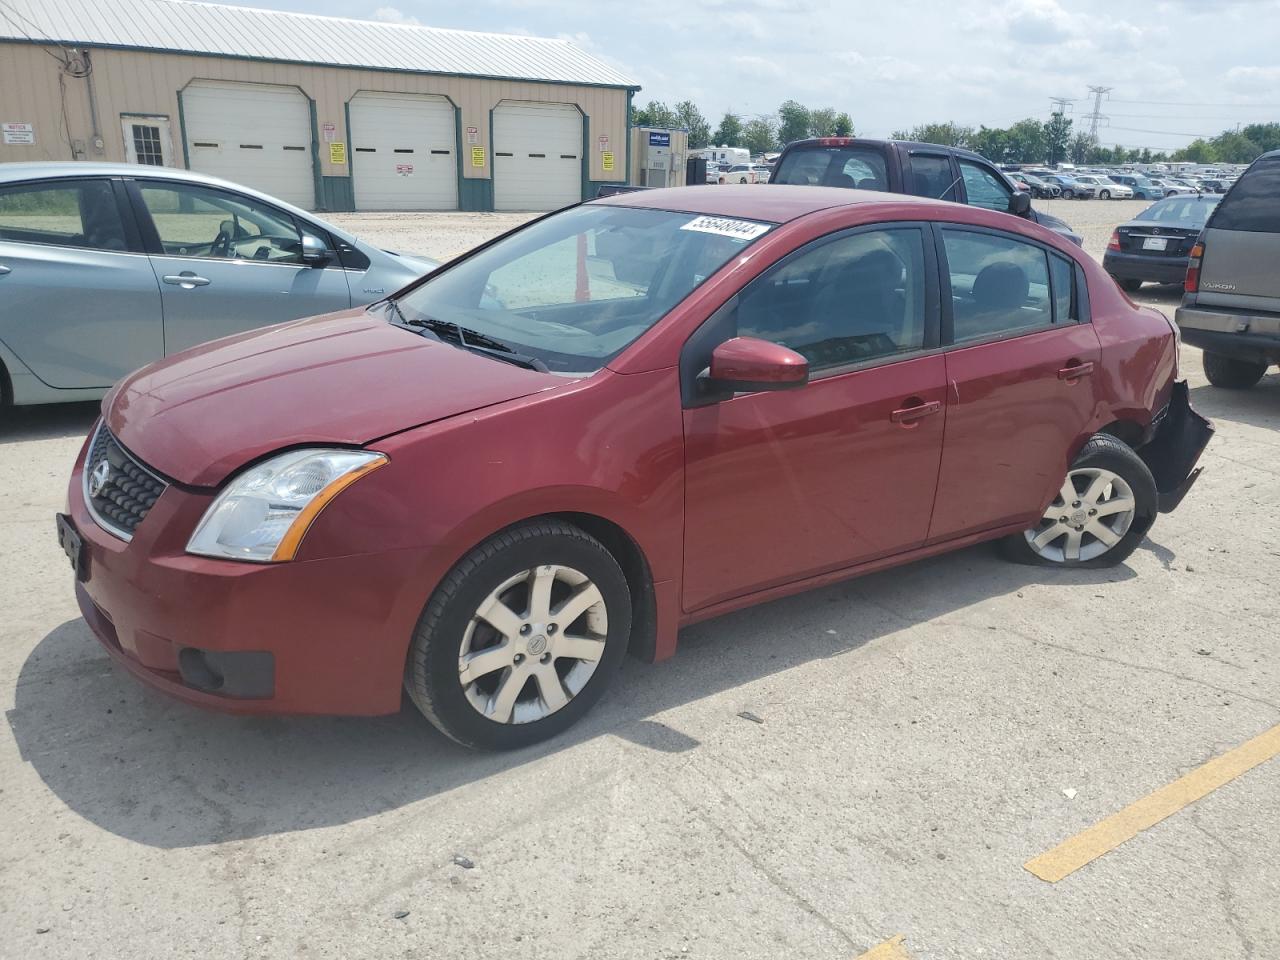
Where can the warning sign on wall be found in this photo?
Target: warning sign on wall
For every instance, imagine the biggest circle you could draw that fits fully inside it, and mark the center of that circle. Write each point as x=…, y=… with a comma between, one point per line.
x=603, y=143
x=404, y=169
x=477, y=156
x=606, y=161
x=473, y=135
x=18, y=134
x=338, y=152
x=330, y=132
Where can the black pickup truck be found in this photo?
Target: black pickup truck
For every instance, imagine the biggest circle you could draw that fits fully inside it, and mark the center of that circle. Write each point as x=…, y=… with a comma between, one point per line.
x=899, y=166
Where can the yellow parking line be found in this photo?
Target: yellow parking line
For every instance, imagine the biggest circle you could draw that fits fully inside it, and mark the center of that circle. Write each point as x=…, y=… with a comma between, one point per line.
x=891, y=949
x=1071, y=855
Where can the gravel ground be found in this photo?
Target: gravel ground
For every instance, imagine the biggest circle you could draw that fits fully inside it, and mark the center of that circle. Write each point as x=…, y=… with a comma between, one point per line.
x=913, y=738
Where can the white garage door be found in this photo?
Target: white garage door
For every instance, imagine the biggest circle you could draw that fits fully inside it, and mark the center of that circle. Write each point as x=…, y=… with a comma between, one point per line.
x=251, y=133
x=537, y=156
x=402, y=152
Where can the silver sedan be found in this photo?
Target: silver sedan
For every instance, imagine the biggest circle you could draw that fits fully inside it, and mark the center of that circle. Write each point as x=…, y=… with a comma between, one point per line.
x=105, y=267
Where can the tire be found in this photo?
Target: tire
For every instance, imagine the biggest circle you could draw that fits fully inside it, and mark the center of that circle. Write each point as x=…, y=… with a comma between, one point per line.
x=1122, y=478
x=1105, y=195
x=1230, y=373
x=505, y=566
x=1130, y=286
x=1068, y=194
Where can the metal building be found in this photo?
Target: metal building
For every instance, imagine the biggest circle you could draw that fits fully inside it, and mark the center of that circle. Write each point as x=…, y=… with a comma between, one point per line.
x=327, y=113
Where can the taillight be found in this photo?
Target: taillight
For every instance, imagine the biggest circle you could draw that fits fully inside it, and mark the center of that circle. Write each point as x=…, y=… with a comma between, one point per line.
x=1192, y=283
x=1114, y=243
x=835, y=141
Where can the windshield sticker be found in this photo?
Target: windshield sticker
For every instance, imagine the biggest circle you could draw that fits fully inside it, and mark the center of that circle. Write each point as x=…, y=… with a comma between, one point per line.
x=727, y=227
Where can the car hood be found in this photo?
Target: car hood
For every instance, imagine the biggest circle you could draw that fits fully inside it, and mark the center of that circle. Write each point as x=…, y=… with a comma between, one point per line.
x=347, y=378
x=1058, y=225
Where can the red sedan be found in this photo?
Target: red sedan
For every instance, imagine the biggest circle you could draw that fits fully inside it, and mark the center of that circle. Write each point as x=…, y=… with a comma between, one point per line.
x=620, y=419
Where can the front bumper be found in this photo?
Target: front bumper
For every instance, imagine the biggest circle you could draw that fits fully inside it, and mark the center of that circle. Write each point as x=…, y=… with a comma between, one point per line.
x=325, y=636
x=1130, y=266
x=1178, y=440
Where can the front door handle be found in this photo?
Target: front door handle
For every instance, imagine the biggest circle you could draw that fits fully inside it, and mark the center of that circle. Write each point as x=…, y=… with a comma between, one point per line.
x=916, y=410
x=1076, y=370
x=4, y=270
x=187, y=280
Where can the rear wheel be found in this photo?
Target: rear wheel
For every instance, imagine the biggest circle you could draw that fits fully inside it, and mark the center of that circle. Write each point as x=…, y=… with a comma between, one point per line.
x=1104, y=508
x=521, y=637
x=1231, y=373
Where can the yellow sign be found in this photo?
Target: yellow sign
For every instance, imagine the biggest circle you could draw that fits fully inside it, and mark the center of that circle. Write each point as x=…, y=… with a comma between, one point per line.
x=606, y=160
x=477, y=156
x=337, y=152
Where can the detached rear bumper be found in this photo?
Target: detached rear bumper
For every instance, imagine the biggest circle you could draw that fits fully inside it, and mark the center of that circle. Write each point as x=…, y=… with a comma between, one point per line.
x=1175, y=448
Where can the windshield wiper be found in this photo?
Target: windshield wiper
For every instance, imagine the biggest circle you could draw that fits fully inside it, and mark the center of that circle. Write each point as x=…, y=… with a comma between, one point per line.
x=473, y=340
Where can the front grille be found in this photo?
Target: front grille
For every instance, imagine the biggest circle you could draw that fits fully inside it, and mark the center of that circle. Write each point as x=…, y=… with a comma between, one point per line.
x=121, y=493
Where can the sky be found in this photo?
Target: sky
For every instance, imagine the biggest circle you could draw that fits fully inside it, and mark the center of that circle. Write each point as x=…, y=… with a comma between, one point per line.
x=1177, y=69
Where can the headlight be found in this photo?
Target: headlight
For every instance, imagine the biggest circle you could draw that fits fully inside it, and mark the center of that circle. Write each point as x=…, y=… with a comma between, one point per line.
x=263, y=514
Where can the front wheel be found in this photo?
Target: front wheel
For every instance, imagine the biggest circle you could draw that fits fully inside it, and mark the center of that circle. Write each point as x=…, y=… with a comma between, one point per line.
x=1098, y=517
x=521, y=637
x=1231, y=373
x=1069, y=194
x=1105, y=195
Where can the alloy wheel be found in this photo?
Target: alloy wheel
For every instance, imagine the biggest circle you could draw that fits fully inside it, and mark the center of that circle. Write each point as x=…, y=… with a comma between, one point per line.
x=532, y=644
x=1091, y=514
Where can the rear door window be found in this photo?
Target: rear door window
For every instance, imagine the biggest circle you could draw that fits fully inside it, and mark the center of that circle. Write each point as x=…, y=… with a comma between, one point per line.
x=999, y=286
x=65, y=213
x=1253, y=205
x=931, y=176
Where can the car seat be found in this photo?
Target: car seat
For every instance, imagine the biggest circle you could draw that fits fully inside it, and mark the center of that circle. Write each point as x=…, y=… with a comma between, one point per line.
x=999, y=292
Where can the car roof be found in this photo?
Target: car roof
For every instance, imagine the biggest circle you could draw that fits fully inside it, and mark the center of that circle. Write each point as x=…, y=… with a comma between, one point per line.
x=779, y=203
x=61, y=169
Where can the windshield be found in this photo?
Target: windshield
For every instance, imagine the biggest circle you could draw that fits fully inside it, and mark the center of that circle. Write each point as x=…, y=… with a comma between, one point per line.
x=575, y=289
x=1185, y=211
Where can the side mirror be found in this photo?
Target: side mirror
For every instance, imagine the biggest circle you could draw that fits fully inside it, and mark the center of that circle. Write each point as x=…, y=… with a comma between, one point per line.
x=314, y=252
x=1020, y=203
x=747, y=365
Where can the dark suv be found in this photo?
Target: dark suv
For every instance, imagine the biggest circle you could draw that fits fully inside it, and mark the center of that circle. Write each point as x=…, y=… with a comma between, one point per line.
x=1231, y=307
x=900, y=166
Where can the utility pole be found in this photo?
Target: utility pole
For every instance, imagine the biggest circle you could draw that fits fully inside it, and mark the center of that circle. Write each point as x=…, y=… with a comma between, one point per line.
x=1093, y=118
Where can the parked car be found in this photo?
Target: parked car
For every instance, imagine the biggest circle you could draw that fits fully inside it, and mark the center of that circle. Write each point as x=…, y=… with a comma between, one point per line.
x=105, y=267
x=1156, y=244
x=1231, y=307
x=713, y=172
x=1140, y=187
x=1104, y=187
x=491, y=486
x=1215, y=185
x=897, y=166
x=1041, y=189
x=745, y=173
x=1172, y=187
x=1073, y=189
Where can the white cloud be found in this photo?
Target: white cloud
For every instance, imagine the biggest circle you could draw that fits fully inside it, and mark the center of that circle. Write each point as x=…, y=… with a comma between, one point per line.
x=394, y=15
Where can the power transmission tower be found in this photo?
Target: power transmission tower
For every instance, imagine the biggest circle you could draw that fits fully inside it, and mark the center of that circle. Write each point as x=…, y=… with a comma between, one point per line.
x=1093, y=118
x=1060, y=104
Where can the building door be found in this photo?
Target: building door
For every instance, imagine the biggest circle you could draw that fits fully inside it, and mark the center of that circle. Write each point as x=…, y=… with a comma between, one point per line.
x=403, y=152
x=147, y=140
x=253, y=134
x=537, y=156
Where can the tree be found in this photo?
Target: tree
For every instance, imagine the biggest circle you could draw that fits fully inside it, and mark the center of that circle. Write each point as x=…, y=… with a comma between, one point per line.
x=1081, y=148
x=993, y=143
x=729, y=133
x=656, y=114
x=843, y=126
x=758, y=136
x=1197, y=151
x=947, y=134
x=794, y=121
x=1233, y=147
x=1265, y=135
x=691, y=118
x=822, y=122
x=1057, y=135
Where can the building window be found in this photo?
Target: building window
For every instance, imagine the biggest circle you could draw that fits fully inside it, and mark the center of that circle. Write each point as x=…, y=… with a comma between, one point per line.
x=146, y=145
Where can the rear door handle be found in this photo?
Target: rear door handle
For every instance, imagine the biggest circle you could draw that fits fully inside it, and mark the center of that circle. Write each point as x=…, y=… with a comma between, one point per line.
x=1076, y=371
x=916, y=411
x=4, y=270
x=187, y=280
